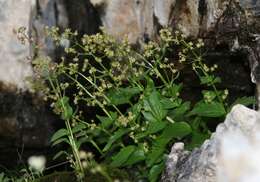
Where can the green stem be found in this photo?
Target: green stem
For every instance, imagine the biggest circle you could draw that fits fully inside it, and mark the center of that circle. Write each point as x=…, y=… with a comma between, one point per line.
x=71, y=137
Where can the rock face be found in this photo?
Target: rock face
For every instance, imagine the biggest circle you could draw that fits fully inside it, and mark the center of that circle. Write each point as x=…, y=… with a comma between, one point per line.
x=14, y=67
x=138, y=19
x=21, y=117
x=231, y=155
x=25, y=120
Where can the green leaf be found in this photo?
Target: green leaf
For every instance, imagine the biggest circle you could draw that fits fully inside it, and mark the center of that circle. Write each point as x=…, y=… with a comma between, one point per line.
x=61, y=140
x=78, y=127
x=149, y=116
x=154, y=106
x=155, y=172
x=121, y=157
x=209, y=80
x=197, y=138
x=173, y=90
x=173, y=130
x=60, y=153
x=122, y=95
x=169, y=104
x=213, y=109
x=178, y=114
x=63, y=104
x=137, y=156
x=67, y=112
x=153, y=127
x=211, y=95
x=117, y=135
x=246, y=101
x=59, y=134
x=149, y=85
x=107, y=121
x=2, y=176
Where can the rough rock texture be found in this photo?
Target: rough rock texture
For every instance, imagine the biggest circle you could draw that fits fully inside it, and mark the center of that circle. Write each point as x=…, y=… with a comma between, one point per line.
x=26, y=123
x=231, y=155
x=138, y=19
x=47, y=13
x=14, y=67
x=22, y=118
x=78, y=15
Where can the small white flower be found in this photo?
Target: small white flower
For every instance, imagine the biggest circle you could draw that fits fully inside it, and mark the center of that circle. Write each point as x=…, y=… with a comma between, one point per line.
x=37, y=163
x=65, y=43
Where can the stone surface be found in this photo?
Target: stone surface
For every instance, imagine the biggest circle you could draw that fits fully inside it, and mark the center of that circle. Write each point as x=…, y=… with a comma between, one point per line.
x=24, y=118
x=137, y=19
x=26, y=123
x=47, y=13
x=14, y=67
x=231, y=155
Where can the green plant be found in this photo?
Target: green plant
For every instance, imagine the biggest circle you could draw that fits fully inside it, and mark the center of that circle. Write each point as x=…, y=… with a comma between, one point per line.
x=24, y=175
x=138, y=111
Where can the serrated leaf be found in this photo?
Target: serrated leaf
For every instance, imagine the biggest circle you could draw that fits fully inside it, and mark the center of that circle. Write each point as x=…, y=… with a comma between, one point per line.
x=116, y=136
x=59, y=134
x=121, y=157
x=122, y=95
x=155, y=172
x=213, y=109
x=173, y=130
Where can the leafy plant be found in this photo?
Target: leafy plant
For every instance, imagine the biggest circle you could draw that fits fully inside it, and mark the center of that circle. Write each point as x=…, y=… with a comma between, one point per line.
x=138, y=111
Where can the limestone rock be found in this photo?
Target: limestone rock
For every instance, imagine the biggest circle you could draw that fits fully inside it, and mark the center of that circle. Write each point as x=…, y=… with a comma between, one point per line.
x=14, y=66
x=24, y=120
x=138, y=19
x=231, y=155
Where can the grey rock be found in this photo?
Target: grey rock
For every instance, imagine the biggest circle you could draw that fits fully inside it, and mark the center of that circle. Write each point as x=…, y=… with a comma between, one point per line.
x=229, y=155
x=24, y=119
x=14, y=67
x=139, y=18
x=47, y=13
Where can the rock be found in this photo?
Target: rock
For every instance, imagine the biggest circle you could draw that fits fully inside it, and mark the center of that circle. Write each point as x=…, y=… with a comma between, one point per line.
x=24, y=118
x=230, y=155
x=137, y=19
x=62, y=14
x=14, y=67
x=47, y=13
